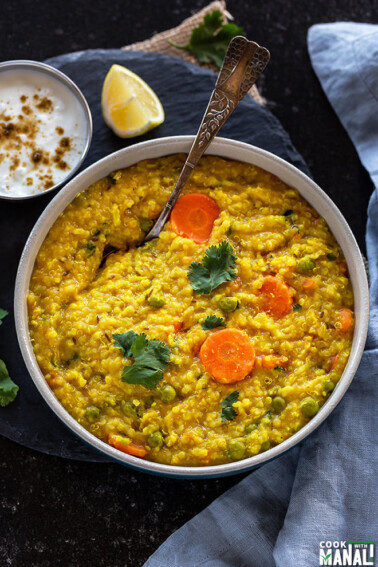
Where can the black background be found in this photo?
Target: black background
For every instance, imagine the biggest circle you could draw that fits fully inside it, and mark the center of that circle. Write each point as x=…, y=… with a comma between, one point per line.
x=59, y=512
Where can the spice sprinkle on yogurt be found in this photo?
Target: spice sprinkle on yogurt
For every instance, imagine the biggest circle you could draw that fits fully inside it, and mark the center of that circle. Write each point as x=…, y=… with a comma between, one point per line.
x=43, y=132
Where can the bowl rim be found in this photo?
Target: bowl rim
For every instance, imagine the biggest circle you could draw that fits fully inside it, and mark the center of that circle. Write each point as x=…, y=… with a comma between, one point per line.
x=46, y=69
x=168, y=146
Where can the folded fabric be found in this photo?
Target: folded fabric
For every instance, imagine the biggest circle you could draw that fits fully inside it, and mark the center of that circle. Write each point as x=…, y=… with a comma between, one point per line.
x=324, y=489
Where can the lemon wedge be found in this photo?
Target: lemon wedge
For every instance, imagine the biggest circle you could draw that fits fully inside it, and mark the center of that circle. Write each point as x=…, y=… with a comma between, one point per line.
x=129, y=106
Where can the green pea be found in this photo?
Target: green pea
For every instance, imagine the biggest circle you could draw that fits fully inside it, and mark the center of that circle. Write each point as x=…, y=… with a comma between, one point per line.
x=305, y=265
x=251, y=427
x=278, y=403
x=129, y=409
x=236, y=450
x=265, y=446
x=329, y=386
x=146, y=224
x=228, y=304
x=167, y=393
x=156, y=439
x=92, y=413
x=156, y=300
x=309, y=407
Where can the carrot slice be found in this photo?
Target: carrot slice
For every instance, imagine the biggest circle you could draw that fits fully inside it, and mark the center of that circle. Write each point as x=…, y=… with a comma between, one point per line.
x=276, y=297
x=193, y=216
x=308, y=284
x=228, y=355
x=346, y=319
x=333, y=360
x=178, y=326
x=121, y=443
x=272, y=360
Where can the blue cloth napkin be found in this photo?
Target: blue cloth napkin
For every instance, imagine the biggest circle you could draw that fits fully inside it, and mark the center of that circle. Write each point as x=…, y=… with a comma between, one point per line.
x=324, y=489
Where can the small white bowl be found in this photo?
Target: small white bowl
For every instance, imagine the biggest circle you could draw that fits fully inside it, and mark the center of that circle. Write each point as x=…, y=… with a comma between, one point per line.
x=227, y=149
x=44, y=69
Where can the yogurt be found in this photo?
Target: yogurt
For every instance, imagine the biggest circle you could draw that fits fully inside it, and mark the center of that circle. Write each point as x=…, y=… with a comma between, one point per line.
x=43, y=132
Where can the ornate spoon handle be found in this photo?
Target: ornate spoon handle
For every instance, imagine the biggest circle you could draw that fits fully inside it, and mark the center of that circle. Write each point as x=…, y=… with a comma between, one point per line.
x=244, y=62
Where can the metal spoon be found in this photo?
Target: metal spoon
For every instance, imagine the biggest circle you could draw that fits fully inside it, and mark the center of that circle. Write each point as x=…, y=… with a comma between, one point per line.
x=244, y=62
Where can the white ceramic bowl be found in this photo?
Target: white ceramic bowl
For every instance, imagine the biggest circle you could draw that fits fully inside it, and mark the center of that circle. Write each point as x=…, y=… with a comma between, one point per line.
x=228, y=149
x=44, y=69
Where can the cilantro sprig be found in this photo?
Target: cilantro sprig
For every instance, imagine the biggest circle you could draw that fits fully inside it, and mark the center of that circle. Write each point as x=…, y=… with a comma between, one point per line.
x=228, y=412
x=212, y=322
x=216, y=267
x=150, y=359
x=209, y=41
x=124, y=341
x=8, y=389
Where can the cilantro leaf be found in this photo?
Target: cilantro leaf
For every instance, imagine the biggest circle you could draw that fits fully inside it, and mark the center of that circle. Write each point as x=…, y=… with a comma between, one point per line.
x=3, y=314
x=216, y=267
x=212, y=322
x=124, y=341
x=150, y=359
x=152, y=354
x=209, y=41
x=8, y=389
x=228, y=412
x=142, y=376
x=297, y=307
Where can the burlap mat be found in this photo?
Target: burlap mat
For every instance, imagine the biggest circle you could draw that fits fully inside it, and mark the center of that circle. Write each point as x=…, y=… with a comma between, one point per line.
x=181, y=34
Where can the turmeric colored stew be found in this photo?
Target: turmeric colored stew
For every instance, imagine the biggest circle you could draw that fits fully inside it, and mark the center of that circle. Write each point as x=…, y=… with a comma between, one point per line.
x=210, y=344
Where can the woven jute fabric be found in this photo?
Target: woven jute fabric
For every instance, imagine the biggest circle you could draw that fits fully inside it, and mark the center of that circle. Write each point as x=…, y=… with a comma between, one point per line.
x=159, y=43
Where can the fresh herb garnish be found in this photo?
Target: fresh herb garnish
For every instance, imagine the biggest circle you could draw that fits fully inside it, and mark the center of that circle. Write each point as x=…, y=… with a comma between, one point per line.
x=150, y=359
x=8, y=389
x=124, y=341
x=279, y=368
x=297, y=307
x=212, y=322
x=331, y=257
x=288, y=213
x=228, y=412
x=216, y=267
x=209, y=41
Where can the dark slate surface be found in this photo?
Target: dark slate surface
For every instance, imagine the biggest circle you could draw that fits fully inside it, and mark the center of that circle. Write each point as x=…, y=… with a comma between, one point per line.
x=184, y=91
x=62, y=513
